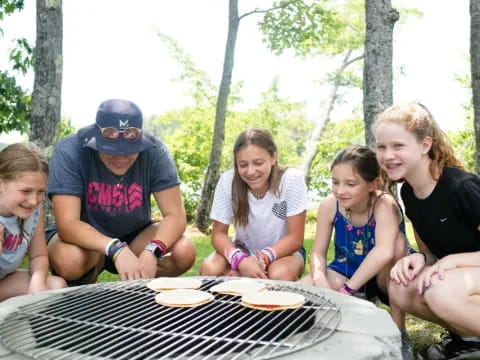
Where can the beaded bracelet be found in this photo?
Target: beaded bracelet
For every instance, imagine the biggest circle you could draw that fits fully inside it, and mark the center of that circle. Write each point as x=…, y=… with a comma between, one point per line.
x=272, y=255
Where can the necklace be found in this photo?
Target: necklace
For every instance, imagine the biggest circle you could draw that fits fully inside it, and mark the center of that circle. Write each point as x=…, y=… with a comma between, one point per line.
x=119, y=181
x=258, y=195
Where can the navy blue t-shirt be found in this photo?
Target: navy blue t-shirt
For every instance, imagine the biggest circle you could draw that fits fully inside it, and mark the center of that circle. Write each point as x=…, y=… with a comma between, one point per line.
x=114, y=205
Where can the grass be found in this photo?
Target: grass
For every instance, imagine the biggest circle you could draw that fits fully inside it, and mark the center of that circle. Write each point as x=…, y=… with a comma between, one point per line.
x=422, y=333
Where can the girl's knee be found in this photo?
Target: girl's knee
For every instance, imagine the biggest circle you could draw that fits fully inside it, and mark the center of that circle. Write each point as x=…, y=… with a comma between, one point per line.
x=402, y=296
x=282, y=273
x=439, y=296
x=56, y=282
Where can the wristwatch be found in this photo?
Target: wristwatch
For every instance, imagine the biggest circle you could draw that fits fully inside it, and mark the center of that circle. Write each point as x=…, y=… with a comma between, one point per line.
x=154, y=249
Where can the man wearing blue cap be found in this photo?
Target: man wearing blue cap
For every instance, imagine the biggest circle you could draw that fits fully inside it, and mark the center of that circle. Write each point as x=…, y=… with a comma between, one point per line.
x=100, y=183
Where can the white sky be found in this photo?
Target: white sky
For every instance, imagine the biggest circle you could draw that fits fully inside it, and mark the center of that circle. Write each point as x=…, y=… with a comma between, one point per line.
x=111, y=50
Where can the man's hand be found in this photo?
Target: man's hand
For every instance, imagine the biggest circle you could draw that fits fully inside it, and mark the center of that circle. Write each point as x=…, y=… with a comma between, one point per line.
x=128, y=265
x=148, y=264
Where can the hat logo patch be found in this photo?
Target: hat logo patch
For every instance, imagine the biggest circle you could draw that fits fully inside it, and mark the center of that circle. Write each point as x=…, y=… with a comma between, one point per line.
x=122, y=123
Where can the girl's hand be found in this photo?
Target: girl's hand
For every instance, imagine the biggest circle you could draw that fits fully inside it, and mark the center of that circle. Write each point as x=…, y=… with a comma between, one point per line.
x=447, y=263
x=343, y=291
x=128, y=265
x=407, y=268
x=250, y=267
x=36, y=286
x=321, y=281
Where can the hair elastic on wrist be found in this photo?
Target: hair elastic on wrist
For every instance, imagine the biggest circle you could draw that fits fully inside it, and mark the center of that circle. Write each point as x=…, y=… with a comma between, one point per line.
x=424, y=256
x=349, y=289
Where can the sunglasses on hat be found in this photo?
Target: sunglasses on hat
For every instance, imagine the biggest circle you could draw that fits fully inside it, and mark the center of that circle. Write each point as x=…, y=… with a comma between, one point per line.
x=111, y=133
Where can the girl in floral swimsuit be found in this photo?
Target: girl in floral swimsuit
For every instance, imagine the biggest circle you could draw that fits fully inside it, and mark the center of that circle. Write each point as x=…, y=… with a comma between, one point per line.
x=369, y=230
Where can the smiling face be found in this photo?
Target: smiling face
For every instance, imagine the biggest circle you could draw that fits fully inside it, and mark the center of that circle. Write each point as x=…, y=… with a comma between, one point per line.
x=254, y=165
x=399, y=152
x=20, y=197
x=349, y=188
x=118, y=164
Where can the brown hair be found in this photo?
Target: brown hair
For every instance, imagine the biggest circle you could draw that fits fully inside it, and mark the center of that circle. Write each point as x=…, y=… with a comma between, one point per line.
x=263, y=139
x=19, y=158
x=416, y=118
x=363, y=160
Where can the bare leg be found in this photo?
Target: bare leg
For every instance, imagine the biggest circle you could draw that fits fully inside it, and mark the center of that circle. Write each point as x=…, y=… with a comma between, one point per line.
x=215, y=265
x=72, y=262
x=288, y=268
x=455, y=299
x=18, y=282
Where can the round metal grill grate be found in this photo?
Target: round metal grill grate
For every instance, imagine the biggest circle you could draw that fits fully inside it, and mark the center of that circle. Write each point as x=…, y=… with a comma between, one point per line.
x=122, y=321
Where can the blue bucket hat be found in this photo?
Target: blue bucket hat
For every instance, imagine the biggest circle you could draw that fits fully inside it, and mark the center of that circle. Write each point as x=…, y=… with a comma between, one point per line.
x=119, y=114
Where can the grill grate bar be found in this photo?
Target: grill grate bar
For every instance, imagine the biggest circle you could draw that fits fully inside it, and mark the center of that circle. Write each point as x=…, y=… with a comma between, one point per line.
x=258, y=331
x=123, y=321
x=321, y=330
x=229, y=326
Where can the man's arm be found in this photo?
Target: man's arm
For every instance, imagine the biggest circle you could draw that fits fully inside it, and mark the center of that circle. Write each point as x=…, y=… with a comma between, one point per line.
x=71, y=229
x=174, y=220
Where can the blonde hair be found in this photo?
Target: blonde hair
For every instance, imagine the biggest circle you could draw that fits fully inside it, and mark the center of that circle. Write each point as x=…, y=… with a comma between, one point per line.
x=417, y=119
x=19, y=158
x=263, y=139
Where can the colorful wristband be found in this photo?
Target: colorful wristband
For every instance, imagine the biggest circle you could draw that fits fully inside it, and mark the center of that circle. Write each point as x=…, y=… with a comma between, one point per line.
x=118, y=250
x=161, y=245
x=238, y=259
x=110, y=246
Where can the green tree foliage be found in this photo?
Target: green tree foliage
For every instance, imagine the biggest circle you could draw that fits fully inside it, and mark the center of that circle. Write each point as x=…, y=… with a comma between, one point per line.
x=337, y=136
x=187, y=133
x=14, y=101
x=14, y=105
x=463, y=140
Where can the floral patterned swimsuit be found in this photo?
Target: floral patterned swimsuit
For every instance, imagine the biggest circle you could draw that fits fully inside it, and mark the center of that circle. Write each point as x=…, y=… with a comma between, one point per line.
x=353, y=243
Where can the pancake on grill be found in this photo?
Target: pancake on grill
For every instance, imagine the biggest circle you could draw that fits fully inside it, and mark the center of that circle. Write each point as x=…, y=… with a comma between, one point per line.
x=273, y=300
x=183, y=298
x=238, y=287
x=171, y=283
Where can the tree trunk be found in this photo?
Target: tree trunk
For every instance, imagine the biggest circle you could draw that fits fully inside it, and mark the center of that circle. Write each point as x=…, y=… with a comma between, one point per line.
x=212, y=175
x=380, y=19
x=47, y=87
x=311, y=148
x=475, y=68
